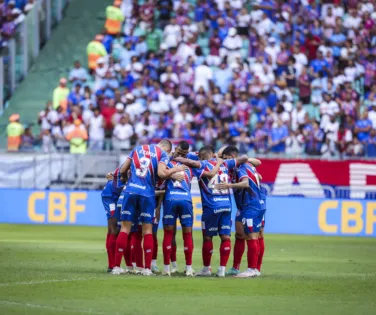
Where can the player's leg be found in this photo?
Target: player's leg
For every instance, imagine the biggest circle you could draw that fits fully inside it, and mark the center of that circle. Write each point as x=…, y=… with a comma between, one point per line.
x=186, y=221
x=127, y=215
x=209, y=223
x=169, y=220
x=128, y=253
x=239, y=246
x=174, y=265
x=109, y=205
x=252, y=225
x=137, y=249
x=224, y=230
x=261, y=245
x=154, y=266
x=147, y=206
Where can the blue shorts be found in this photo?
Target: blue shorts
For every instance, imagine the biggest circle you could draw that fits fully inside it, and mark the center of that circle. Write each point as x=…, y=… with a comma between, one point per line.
x=182, y=209
x=136, y=208
x=216, y=221
x=110, y=206
x=252, y=220
x=136, y=227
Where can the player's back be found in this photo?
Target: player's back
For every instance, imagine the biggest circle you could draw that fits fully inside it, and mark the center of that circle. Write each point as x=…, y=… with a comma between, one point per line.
x=179, y=189
x=253, y=197
x=212, y=197
x=144, y=169
x=113, y=187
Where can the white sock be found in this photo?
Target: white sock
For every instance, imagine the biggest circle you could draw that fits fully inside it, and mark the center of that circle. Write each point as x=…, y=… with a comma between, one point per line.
x=134, y=265
x=167, y=268
x=153, y=262
x=188, y=267
x=221, y=269
x=250, y=270
x=173, y=264
x=206, y=268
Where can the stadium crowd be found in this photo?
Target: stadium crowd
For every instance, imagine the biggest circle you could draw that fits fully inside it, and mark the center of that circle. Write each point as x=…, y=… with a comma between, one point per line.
x=12, y=13
x=283, y=77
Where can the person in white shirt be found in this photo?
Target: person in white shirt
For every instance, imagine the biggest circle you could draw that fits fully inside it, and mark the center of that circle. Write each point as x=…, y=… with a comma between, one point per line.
x=298, y=116
x=182, y=117
x=172, y=34
x=169, y=76
x=243, y=20
x=328, y=107
x=133, y=109
x=231, y=46
x=100, y=73
x=158, y=107
x=122, y=134
x=78, y=73
x=265, y=26
x=96, y=131
x=352, y=21
x=48, y=117
x=177, y=100
x=272, y=50
x=203, y=75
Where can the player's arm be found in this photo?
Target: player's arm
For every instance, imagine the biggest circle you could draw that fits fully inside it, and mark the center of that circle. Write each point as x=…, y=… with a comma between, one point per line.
x=259, y=175
x=165, y=173
x=159, y=193
x=241, y=160
x=240, y=185
x=254, y=162
x=125, y=168
x=188, y=162
x=215, y=169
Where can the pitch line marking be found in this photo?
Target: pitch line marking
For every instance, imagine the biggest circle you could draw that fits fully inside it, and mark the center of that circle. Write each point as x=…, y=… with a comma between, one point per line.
x=43, y=281
x=46, y=307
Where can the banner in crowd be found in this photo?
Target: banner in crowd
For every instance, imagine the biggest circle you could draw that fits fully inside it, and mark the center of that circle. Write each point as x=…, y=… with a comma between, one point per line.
x=310, y=175
x=284, y=214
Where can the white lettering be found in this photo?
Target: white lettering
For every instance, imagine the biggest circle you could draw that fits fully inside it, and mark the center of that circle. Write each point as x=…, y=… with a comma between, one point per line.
x=143, y=214
x=186, y=216
x=126, y=212
x=221, y=199
x=213, y=229
x=223, y=227
x=222, y=210
x=178, y=193
x=168, y=216
x=137, y=186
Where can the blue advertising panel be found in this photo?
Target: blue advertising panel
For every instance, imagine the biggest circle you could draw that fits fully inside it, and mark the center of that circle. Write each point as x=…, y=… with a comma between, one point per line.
x=291, y=215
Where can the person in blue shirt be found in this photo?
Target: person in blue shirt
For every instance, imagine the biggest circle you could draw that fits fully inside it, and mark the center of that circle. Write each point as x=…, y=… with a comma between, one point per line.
x=139, y=197
x=222, y=77
x=363, y=127
x=338, y=40
x=110, y=195
x=75, y=96
x=319, y=65
x=216, y=205
x=277, y=137
x=250, y=200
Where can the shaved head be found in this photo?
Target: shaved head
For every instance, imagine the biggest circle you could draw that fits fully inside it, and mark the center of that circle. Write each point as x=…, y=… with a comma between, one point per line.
x=165, y=145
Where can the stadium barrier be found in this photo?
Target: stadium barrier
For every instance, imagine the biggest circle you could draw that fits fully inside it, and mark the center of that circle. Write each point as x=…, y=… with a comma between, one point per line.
x=291, y=215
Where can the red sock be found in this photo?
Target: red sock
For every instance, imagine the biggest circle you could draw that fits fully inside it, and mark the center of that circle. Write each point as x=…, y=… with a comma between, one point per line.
x=109, y=254
x=261, y=253
x=148, y=250
x=207, y=250
x=138, y=250
x=112, y=245
x=224, y=252
x=238, y=252
x=253, y=253
x=133, y=246
x=128, y=252
x=155, y=247
x=188, y=248
x=121, y=246
x=167, y=246
x=173, y=251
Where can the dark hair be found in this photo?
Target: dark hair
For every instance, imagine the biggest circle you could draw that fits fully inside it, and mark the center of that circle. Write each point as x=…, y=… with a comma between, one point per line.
x=184, y=145
x=230, y=150
x=206, y=149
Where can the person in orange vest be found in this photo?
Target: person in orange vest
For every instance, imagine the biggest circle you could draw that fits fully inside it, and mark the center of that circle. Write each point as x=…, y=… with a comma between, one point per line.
x=114, y=18
x=78, y=138
x=95, y=50
x=14, y=132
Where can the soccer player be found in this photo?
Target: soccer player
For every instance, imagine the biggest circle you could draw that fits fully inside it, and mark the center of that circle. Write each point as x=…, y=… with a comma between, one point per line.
x=139, y=197
x=159, y=195
x=178, y=203
x=110, y=195
x=250, y=201
x=216, y=204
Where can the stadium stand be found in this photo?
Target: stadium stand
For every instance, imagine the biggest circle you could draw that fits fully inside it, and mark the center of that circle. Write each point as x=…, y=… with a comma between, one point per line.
x=281, y=77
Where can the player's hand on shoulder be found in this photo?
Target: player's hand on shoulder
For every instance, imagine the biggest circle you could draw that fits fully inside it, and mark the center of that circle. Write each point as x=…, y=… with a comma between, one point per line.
x=220, y=161
x=221, y=186
x=110, y=176
x=183, y=167
x=179, y=159
x=178, y=176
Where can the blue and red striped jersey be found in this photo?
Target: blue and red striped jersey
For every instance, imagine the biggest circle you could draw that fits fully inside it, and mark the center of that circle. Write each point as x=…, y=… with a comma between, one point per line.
x=113, y=187
x=211, y=197
x=144, y=169
x=252, y=197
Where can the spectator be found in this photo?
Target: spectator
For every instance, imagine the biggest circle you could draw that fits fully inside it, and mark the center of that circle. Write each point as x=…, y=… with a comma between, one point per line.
x=203, y=75
x=96, y=127
x=78, y=74
x=61, y=93
x=122, y=134
x=14, y=132
x=77, y=138
x=27, y=140
x=363, y=128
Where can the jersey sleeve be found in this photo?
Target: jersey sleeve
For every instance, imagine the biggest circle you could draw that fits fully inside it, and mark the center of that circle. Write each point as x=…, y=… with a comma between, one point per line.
x=192, y=156
x=165, y=158
x=242, y=172
x=230, y=164
x=130, y=156
x=199, y=171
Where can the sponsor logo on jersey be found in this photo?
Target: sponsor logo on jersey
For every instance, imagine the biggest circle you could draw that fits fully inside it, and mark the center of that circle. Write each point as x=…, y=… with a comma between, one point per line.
x=168, y=216
x=221, y=199
x=213, y=229
x=222, y=210
x=143, y=214
x=186, y=216
x=137, y=186
x=224, y=227
x=147, y=153
x=178, y=193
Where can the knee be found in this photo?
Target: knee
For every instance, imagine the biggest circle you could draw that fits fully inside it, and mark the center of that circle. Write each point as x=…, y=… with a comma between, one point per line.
x=207, y=239
x=225, y=238
x=240, y=236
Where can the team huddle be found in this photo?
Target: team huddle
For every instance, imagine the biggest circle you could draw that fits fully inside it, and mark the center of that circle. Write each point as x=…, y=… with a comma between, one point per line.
x=152, y=176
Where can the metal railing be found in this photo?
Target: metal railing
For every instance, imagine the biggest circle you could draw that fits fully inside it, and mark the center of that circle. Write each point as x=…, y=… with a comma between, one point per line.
x=23, y=48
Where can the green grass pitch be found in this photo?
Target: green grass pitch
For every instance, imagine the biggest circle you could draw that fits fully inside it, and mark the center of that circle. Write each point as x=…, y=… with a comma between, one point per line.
x=61, y=270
